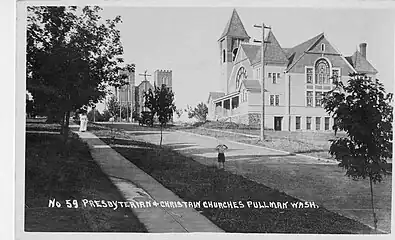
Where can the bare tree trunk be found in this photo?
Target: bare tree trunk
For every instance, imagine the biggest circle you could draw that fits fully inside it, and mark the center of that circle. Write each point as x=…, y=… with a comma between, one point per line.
x=371, y=195
x=161, y=130
x=66, y=126
x=62, y=123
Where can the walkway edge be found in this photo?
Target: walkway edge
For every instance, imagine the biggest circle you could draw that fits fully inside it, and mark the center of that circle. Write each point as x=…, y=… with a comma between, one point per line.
x=156, y=219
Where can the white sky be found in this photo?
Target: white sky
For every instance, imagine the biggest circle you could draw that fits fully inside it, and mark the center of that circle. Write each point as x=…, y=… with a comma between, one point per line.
x=184, y=39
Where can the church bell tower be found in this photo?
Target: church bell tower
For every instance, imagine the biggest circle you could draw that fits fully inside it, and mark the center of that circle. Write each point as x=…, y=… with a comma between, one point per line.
x=230, y=39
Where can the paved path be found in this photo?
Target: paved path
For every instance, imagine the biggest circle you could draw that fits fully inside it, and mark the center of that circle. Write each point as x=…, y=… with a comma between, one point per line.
x=136, y=185
x=305, y=178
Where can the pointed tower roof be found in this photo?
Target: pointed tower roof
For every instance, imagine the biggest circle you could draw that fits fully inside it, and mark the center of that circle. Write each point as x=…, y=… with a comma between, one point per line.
x=273, y=52
x=234, y=27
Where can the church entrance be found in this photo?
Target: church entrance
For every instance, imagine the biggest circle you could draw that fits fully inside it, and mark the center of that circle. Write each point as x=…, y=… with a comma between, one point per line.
x=277, y=123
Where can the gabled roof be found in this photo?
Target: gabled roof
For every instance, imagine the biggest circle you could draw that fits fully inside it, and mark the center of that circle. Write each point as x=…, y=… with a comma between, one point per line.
x=142, y=82
x=273, y=52
x=214, y=95
x=250, y=51
x=252, y=84
x=296, y=52
x=287, y=51
x=360, y=64
x=234, y=27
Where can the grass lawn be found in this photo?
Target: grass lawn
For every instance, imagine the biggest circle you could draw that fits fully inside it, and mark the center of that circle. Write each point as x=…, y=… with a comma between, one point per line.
x=193, y=181
x=309, y=143
x=315, y=144
x=54, y=170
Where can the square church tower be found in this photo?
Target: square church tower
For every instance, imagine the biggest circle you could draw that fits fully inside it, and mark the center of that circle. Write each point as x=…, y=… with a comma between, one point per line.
x=163, y=77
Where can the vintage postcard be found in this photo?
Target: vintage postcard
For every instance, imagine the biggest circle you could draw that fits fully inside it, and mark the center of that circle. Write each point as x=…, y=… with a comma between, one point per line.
x=204, y=118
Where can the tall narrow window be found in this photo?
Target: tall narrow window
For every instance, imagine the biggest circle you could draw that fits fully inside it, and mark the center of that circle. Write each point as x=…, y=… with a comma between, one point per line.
x=223, y=55
x=274, y=78
x=234, y=54
x=241, y=75
x=297, y=123
x=277, y=100
x=309, y=75
x=309, y=98
x=308, y=123
x=317, y=123
x=318, y=99
x=322, y=47
x=326, y=123
x=335, y=75
x=271, y=100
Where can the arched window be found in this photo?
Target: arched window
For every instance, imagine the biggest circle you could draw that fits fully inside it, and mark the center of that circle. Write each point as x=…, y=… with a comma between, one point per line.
x=241, y=75
x=322, y=72
x=234, y=53
x=223, y=55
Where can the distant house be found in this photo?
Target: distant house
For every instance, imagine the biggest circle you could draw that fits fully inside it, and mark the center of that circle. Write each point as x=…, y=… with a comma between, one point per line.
x=295, y=78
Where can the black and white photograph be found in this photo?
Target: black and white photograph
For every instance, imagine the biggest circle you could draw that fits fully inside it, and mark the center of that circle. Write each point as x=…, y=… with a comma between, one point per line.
x=221, y=119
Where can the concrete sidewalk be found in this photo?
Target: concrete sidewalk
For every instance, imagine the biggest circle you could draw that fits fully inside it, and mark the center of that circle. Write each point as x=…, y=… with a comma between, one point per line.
x=305, y=178
x=136, y=185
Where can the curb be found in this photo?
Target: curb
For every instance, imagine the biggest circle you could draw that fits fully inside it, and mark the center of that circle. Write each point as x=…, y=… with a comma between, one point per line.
x=142, y=180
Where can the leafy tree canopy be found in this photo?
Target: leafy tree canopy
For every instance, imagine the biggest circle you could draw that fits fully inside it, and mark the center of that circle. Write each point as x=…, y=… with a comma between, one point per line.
x=160, y=102
x=199, y=112
x=72, y=57
x=363, y=110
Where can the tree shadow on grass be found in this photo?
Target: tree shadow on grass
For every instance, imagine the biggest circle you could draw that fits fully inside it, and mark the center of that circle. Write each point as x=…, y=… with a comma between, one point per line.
x=312, y=151
x=193, y=181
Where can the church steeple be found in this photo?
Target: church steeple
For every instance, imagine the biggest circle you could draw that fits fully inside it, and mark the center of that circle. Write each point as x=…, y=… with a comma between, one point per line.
x=229, y=42
x=234, y=28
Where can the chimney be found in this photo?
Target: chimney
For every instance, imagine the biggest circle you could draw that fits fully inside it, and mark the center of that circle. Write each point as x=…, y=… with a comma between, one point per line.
x=362, y=49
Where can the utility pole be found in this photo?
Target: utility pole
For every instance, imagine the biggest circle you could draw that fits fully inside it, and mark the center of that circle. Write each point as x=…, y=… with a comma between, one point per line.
x=145, y=75
x=263, y=27
x=120, y=105
x=127, y=104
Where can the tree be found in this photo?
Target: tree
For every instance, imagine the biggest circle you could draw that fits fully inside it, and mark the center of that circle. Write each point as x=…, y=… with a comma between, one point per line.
x=160, y=102
x=135, y=115
x=113, y=106
x=106, y=115
x=179, y=112
x=72, y=58
x=125, y=111
x=98, y=116
x=363, y=110
x=199, y=112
